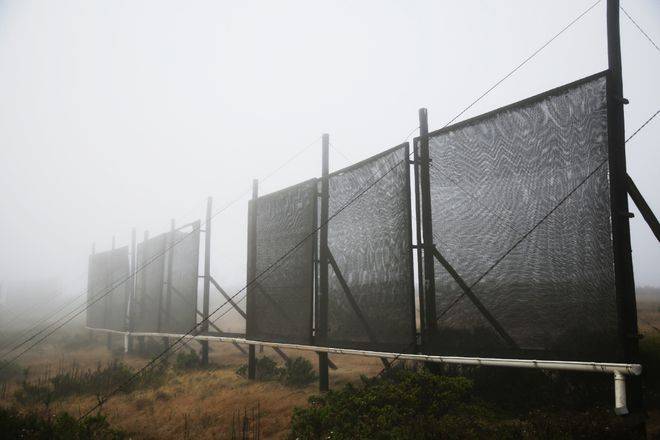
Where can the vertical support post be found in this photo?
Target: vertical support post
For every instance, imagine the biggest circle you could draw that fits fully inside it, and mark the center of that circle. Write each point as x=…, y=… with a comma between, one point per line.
x=322, y=328
x=427, y=228
x=91, y=333
x=207, y=279
x=108, y=341
x=168, y=297
x=419, y=241
x=141, y=344
x=624, y=279
x=252, y=272
x=131, y=299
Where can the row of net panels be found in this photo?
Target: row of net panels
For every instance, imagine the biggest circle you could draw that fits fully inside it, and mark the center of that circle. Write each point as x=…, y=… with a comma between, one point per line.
x=165, y=297
x=370, y=286
x=521, y=213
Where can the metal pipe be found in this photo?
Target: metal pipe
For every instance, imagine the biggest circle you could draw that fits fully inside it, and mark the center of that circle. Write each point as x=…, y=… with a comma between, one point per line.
x=620, y=400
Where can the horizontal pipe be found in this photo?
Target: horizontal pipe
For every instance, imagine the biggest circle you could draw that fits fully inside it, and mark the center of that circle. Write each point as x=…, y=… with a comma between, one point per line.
x=596, y=367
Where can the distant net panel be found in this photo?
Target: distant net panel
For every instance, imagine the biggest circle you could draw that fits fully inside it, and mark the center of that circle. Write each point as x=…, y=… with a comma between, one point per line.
x=108, y=287
x=371, y=291
x=179, y=308
x=521, y=210
x=280, y=300
x=150, y=286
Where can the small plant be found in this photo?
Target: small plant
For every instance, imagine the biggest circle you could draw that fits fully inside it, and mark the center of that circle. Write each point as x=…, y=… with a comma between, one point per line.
x=187, y=360
x=266, y=369
x=101, y=381
x=298, y=372
x=14, y=424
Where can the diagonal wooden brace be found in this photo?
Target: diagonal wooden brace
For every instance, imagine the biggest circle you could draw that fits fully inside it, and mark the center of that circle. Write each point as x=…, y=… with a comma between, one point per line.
x=470, y=294
x=643, y=207
x=353, y=303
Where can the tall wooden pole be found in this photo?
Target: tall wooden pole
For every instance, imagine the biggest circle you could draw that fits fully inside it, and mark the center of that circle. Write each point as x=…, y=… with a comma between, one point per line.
x=143, y=275
x=131, y=299
x=624, y=279
x=168, y=298
x=207, y=279
x=322, y=328
x=427, y=229
x=252, y=271
x=108, y=302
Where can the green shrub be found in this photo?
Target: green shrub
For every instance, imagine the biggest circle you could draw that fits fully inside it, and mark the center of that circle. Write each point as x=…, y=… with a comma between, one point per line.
x=402, y=404
x=266, y=369
x=187, y=360
x=406, y=404
x=298, y=372
x=31, y=425
x=101, y=381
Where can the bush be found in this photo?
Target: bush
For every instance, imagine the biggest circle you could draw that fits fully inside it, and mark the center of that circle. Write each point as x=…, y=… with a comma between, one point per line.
x=402, y=404
x=266, y=369
x=298, y=372
x=101, y=381
x=9, y=371
x=13, y=424
x=187, y=360
x=405, y=404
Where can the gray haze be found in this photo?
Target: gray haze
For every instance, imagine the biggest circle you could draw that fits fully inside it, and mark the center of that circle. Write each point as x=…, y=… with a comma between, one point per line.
x=121, y=114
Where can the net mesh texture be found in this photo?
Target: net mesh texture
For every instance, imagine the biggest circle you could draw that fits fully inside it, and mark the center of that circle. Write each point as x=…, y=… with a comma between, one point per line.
x=108, y=287
x=370, y=240
x=280, y=301
x=540, y=166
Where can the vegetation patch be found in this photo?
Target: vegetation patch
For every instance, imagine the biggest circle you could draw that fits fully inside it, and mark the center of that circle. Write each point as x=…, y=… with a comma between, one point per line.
x=32, y=425
x=297, y=371
x=99, y=382
x=408, y=404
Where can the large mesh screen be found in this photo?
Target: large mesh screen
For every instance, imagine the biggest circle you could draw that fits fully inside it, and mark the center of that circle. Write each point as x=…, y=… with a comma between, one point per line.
x=369, y=238
x=108, y=287
x=149, y=293
x=521, y=211
x=179, y=308
x=280, y=301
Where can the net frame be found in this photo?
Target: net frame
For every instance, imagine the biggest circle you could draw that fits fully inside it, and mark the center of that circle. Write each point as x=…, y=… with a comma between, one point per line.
x=324, y=338
x=615, y=354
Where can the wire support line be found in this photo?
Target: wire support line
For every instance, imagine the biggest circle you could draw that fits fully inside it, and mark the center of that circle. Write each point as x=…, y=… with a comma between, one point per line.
x=76, y=312
x=312, y=234
x=541, y=221
x=525, y=61
x=648, y=37
x=643, y=125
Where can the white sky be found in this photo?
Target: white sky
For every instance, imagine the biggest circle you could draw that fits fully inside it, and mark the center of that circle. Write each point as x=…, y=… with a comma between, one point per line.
x=116, y=114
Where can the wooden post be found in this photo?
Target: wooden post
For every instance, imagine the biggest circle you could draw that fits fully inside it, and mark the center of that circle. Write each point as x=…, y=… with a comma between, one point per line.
x=427, y=229
x=91, y=333
x=623, y=270
x=207, y=279
x=108, y=301
x=322, y=328
x=252, y=270
x=131, y=298
x=141, y=346
x=168, y=298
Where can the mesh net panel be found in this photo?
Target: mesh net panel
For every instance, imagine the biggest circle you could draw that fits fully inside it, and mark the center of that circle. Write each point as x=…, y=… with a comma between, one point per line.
x=370, y=241
x=150, y=282
x=109, y=282
x=179, y=313
x=280, y=302
x=492, y=181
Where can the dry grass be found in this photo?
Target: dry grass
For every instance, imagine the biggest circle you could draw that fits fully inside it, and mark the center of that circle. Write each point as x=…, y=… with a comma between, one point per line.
x=196, y=404
x=201, y=404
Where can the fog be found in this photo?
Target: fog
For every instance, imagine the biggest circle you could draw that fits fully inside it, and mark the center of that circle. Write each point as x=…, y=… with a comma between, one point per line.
x=122, y=114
